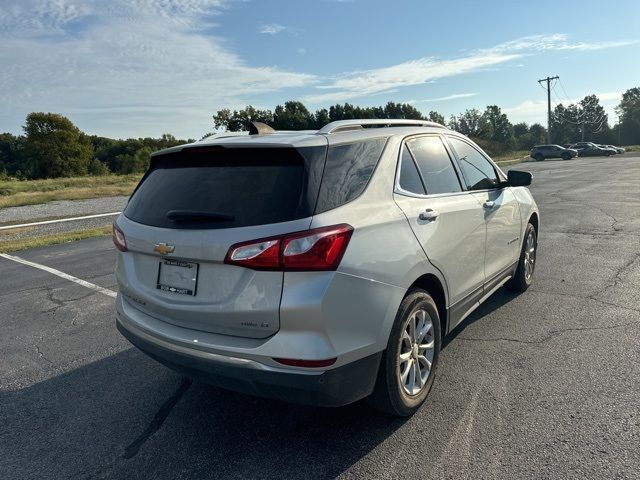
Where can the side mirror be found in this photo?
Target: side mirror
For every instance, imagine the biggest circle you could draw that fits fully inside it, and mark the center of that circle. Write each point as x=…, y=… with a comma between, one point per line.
x=516, y=178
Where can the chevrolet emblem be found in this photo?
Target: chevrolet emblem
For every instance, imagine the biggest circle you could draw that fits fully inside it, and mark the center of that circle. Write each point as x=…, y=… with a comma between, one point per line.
x=163, y=248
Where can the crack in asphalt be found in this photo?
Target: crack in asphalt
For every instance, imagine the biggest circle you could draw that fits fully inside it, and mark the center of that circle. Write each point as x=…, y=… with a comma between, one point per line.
x=614, y=221
x=50, y=296
x=62, y=302
x=42, y=355
x=617, y=278
x=161, y=415
x=591, y=296
x=549, y=335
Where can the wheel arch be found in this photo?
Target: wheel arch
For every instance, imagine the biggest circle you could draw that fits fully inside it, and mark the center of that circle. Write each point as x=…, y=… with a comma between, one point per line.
x=534, y=220
x=436, y=289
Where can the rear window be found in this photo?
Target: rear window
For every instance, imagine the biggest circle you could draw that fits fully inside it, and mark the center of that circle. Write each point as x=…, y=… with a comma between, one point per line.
x=347, y=172
x=214, y=187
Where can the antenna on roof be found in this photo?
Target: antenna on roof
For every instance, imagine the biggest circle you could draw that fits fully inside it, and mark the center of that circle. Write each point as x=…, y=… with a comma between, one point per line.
x=259, y=128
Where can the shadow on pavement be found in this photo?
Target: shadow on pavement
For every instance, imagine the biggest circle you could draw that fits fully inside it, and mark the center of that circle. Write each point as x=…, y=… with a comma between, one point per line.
x=500, y=298
x=126, y=416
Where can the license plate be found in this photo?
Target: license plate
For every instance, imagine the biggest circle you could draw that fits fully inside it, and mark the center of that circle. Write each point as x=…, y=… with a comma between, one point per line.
x=176, y=276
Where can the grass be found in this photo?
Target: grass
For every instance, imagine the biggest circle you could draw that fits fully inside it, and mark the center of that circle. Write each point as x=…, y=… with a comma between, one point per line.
x=632, y=148
x=510, y=158
x=14, y=193
x=23, y=244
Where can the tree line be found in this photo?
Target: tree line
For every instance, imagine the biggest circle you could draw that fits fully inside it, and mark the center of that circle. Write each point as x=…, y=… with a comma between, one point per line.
x=585, y=120
x=52, y=146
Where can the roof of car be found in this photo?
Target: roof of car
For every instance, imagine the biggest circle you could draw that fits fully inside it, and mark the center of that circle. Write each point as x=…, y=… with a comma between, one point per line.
x=343, y=131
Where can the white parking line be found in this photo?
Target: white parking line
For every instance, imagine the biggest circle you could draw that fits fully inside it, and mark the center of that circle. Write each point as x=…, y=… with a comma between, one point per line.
x=71, y=219
x=66, y=276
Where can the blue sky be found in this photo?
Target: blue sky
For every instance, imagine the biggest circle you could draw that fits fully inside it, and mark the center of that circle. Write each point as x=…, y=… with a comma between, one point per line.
x=129, y=68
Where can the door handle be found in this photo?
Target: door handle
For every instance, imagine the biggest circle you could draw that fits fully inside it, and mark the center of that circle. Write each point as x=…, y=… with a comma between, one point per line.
x=488, y=204
x=429, y=214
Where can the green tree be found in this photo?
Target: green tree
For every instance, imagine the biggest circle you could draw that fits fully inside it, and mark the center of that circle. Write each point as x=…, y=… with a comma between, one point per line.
x=321, y=118
x=402, y=110
x=55, y=147
x=538, y=134
x=565, y=124
x=471, y=123
x=629, y=117
x=96, y=167
x=12, y=154
x=239, y=119
x=501, y=129
x=292, y=116
x=594, y=122
x=436, y=117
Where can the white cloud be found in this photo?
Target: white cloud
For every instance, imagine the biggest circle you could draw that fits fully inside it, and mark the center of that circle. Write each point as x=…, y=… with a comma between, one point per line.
x=536, y=110
x=454, y=96
x=144, y=67
x=126, y=68
x=416, y=72
x=272, y=28
x=558, y=42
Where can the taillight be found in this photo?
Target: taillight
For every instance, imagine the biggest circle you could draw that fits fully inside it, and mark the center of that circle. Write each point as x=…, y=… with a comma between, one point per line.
x=317, y=249
x=118, y=238
x=257, y=254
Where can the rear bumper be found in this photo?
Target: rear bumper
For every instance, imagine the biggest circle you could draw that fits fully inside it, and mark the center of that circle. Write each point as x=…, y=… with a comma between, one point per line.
x=331, y=388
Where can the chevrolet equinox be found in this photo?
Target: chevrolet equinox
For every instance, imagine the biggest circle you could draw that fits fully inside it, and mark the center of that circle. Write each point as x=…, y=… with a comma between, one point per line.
x=319, y=267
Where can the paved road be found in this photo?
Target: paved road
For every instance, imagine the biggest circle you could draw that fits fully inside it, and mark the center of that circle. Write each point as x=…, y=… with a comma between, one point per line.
x=542, y=385
x=56, y=210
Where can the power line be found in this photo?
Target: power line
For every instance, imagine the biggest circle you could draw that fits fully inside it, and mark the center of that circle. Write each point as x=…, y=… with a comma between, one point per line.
x=584, y=114
x=564, y=91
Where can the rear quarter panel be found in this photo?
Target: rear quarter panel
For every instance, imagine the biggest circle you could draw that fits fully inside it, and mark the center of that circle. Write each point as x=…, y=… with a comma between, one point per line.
x=383, y=260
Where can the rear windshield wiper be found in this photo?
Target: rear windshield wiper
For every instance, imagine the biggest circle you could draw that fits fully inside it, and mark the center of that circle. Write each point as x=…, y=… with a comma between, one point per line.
x=195, y=216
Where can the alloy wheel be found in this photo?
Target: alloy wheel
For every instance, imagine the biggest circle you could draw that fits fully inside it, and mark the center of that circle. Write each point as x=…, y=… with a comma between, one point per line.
x=529, y=255
x=417, y=349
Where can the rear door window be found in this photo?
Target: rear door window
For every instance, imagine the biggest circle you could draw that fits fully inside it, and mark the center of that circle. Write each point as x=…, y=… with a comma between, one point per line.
x=214, y=187
x=347, y=172
x=434, y=164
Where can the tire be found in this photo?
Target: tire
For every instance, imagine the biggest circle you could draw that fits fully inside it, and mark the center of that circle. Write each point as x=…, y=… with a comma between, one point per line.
x=523, y=277
x=539, y=157
x=566, y=156
x=394, y=394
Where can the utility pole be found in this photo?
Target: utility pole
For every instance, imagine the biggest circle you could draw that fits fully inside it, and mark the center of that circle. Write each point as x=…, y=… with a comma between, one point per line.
x=548, y=80
x=619, y=141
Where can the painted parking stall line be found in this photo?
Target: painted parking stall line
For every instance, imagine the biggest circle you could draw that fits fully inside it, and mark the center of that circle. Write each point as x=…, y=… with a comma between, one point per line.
x=60, y=220
x=66, y=276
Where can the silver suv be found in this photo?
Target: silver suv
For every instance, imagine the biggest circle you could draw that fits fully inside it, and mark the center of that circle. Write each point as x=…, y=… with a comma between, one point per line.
x=319, y=267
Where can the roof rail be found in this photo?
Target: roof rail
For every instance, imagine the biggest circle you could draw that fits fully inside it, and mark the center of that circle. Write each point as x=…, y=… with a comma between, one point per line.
x=350, y=125
x=215, y=136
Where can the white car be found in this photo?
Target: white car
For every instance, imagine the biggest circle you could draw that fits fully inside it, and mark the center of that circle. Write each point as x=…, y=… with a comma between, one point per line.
x=319, y=267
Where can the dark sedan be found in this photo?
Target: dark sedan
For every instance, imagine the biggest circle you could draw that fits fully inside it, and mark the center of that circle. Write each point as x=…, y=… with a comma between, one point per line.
x=617, y=149
x=540, y=152
x=588, y=149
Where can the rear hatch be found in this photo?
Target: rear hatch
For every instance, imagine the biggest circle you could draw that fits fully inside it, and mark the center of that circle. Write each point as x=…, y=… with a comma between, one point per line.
x=190, y=208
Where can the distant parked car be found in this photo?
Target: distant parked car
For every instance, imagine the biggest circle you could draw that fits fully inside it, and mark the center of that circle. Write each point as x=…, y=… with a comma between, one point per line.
x=588, y=149
x=540, y=152
x=617, y=149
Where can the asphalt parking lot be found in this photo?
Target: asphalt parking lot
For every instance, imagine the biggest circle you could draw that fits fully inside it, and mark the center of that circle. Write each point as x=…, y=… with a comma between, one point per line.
x=541, y=385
